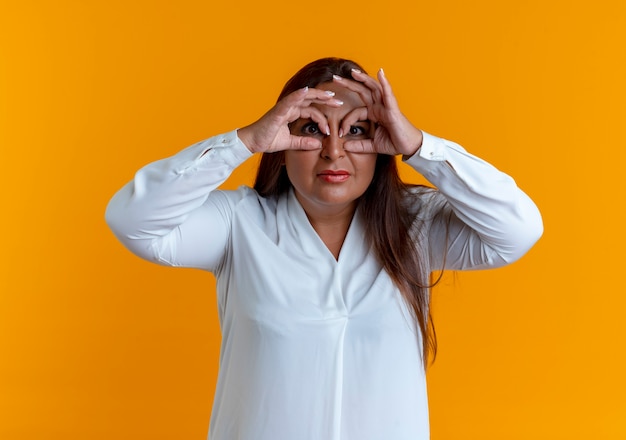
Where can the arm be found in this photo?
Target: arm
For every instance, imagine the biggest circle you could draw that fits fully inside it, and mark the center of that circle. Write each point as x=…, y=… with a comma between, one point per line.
x=493, y=222
x=170, y=214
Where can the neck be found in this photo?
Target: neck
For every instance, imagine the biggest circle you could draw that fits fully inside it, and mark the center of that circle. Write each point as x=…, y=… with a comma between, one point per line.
x=331, y=225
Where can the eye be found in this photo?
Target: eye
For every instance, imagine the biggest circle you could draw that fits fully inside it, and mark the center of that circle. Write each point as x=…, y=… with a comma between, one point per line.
x=310, y=129
x=354, y=130
x=357, y=130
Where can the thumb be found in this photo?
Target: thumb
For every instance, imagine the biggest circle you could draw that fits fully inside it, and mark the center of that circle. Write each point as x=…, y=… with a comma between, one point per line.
x=359, y=146
x=305, y=143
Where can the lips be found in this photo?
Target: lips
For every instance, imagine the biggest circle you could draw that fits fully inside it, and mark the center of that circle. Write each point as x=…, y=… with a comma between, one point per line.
x=334, y=176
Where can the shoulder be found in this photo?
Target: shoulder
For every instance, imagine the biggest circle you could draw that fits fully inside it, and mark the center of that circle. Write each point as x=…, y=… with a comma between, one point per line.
x=244, y=200
x=423, y=201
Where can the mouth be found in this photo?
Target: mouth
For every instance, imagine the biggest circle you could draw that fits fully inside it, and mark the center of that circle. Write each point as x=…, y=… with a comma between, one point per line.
x=334, y=176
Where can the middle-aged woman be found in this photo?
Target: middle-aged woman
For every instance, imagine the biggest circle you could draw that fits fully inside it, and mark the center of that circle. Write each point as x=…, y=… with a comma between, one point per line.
x=324, y=267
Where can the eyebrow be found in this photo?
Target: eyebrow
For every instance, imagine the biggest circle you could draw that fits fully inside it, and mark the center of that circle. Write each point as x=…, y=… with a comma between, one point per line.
x=307, y=120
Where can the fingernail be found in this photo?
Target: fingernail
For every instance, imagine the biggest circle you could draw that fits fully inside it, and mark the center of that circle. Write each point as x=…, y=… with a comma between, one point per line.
x=327, y=132
x=330, y=93
x=305, y=90
x=382, y=72
x=341, y=132
x=337, y=77
x=356, y=70
x=339, y=101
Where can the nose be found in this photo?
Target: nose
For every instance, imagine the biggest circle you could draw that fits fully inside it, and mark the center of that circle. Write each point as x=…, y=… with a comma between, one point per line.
x=332, y=147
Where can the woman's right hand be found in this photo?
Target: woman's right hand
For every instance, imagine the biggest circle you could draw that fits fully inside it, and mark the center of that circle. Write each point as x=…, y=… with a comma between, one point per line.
x=271, y=132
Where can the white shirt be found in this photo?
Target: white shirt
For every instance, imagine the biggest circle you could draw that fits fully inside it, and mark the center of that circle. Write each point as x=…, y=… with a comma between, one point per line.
x=313, y=348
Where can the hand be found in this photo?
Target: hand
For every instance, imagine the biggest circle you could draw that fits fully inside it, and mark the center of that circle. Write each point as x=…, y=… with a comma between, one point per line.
x=394, y=133
x=271, y=132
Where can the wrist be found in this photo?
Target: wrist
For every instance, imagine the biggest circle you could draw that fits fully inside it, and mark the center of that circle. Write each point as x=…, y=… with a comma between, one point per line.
x=245, y=136
x=417, y=140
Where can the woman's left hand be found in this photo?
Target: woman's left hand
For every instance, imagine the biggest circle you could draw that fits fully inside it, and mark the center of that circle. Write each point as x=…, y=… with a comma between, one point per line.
x=394, y=133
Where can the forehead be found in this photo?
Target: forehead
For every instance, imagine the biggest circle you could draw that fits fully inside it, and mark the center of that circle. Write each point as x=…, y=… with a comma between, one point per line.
x=350, y=99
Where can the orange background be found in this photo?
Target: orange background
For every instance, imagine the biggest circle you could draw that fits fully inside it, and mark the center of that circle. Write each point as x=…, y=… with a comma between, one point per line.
x=98, y=344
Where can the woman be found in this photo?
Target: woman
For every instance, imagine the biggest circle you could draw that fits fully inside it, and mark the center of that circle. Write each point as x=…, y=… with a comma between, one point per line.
x=323, y=269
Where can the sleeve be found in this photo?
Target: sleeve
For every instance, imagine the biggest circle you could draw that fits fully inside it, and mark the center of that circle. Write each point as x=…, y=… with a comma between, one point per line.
x=491, y=221
x=170, y=212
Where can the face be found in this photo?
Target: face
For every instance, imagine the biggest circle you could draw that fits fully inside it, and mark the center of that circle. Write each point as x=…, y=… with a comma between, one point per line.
x=329, y=181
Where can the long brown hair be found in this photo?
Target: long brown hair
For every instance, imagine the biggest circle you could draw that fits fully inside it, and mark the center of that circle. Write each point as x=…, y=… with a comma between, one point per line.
x=397, y=238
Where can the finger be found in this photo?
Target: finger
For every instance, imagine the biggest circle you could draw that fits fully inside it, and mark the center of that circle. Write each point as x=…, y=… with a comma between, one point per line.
x=359, y=146
x=357, y=87
x=388, y=96
x=316, y=116
x=330, y=102
x=369, y=82
x=307, y=96
x=295, y=98
x=286, y=108
x=355, y=115
x=319, y=96
x=320, y=118
x=304, y=143
x=301, y=108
